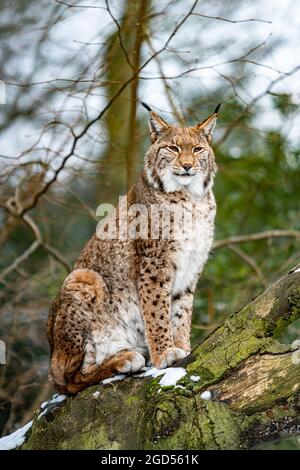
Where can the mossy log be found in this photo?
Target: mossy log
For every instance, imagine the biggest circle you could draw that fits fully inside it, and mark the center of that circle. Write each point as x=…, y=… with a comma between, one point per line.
x=253, y=380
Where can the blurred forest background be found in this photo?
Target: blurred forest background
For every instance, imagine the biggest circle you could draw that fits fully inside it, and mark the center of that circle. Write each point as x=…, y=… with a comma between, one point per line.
x=73, y=136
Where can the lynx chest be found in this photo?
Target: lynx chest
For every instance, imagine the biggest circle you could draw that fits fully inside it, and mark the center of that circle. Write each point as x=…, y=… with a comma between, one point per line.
x=194, y=246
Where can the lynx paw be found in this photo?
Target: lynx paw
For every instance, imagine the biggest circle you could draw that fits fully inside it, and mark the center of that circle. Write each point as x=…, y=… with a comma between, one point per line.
x=134, y=362
x=170, y=356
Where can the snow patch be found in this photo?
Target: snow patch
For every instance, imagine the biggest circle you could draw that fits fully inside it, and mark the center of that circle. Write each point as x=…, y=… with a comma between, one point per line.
x=195, y=378
x=113, y=379
x=153, y=372
x=15, y=439
x=57, y=398
x=171, y=376
x=206, y=395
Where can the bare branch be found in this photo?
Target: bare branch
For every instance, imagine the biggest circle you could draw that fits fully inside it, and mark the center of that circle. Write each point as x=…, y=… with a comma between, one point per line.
x=23, y=257
x=220, y=18
x=255, y=237
x=103, y=112
x=266, y=91
x=250, y=261
x=119, y=36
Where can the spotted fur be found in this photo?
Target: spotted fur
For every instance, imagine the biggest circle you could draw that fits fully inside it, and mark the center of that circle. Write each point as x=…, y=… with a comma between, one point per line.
x=128, y=302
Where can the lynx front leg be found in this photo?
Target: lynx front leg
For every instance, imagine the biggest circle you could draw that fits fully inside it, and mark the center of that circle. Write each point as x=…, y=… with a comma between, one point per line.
x=155, y=300
x=181, y=312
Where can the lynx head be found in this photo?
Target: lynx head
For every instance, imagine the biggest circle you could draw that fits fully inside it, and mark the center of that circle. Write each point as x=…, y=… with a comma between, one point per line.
x=181, y=157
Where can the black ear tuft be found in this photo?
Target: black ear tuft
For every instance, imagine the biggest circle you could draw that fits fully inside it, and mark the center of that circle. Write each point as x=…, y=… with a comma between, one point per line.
x=217, y=108
x=146, y=106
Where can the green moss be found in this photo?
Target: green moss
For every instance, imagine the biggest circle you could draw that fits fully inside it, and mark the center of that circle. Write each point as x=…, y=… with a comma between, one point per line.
x=152, y=386
x=211, y=365
x=169, y=426
x=91, y=437
x=246, y=332
x=139, y=413
x=84, y=422
x=221, y=427
x=132, y=401
x=197, y=424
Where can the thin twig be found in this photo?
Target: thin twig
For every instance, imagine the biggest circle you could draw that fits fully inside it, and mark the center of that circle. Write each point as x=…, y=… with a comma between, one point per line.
x=250, y=261
x=257, y=98
x=256, y=236
x=23, y=257
x=227, y=20
x=77, y=137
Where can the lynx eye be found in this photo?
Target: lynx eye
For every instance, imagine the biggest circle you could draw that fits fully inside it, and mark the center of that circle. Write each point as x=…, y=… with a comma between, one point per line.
x=198, y=149
x=173, y=148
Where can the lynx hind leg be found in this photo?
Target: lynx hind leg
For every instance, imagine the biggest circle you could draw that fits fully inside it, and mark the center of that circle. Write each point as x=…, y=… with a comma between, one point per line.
x=63, y=367
x=123, y=362
x=81, y=296
x=85, y=285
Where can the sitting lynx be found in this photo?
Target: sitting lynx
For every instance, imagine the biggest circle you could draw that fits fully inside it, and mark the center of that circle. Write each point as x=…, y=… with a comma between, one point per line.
x=129, y=300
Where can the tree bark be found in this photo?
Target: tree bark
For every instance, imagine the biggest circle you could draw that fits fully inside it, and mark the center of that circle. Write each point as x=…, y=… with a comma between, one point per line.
x=253, y=380
x=123, y=57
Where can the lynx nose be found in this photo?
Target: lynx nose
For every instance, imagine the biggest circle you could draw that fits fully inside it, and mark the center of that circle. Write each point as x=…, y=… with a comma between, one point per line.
x=187, y=166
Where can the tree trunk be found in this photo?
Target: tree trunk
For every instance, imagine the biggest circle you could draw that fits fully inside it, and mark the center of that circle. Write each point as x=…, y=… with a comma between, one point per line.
x=122, y=58
x=251, y=382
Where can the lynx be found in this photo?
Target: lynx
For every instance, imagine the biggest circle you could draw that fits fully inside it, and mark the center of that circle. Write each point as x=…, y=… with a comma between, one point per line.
x=128, y=300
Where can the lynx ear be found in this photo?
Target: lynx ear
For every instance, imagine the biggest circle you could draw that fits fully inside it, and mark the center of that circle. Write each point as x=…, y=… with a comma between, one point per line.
x=207, y=126
x=156, y=124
